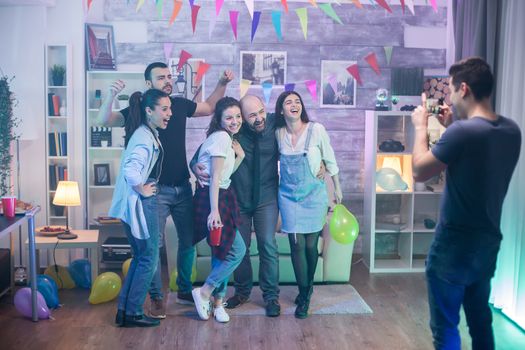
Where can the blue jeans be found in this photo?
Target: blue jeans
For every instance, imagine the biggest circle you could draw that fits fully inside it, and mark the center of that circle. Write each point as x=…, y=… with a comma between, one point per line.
x=176, y=201
x=221, y=270
x=143, y=264
x=264, y=219
x=445, y=299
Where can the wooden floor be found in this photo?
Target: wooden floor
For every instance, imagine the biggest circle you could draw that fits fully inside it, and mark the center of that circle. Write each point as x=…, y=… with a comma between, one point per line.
x=399, y=321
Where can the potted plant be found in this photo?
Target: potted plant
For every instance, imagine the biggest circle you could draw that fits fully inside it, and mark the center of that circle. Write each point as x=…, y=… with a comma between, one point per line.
x=58, y=73
x=8, y=122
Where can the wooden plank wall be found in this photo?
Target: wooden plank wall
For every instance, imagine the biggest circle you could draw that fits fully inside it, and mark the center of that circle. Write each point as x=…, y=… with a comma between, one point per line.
x=363, y=31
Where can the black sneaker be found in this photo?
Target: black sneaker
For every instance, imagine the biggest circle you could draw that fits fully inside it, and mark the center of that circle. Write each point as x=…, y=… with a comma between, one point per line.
x=273, y=309
x=236, y=301
x=185, y=298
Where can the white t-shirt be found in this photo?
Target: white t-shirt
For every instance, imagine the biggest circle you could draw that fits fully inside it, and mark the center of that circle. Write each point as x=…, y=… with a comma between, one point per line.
x=218, y=144
x=318, y=149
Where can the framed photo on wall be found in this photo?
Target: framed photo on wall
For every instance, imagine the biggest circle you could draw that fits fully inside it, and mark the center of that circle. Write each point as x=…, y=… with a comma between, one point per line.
x=338, y=87
x=184, y=81
x=100, y=47
x=263, y=67
x=101, y=172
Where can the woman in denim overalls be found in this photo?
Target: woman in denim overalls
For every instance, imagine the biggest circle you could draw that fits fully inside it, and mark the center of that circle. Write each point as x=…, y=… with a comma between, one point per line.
x=303, y=199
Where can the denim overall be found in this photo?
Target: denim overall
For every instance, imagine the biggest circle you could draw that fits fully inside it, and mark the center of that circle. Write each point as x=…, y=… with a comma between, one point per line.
x=303, y=199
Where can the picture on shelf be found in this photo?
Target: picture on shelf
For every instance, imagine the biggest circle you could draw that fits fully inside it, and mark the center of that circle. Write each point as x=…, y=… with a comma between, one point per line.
x=263, y=67
x=100, y=47
x=184, y=80
x=101, y=172
x=338, y=87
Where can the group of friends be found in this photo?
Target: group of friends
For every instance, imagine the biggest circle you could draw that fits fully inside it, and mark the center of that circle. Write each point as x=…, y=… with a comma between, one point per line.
x=240, y=189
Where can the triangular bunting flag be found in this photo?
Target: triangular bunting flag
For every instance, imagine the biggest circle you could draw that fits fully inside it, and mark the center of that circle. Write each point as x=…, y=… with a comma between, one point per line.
x=289, y=87
x=249, y=5
x=384, y=5
x=354, y=72
x=244, y=86
x=194, y=12
x=255, y=23
x=267, y=91
x=285, y=5
x=410, y=5
x=89, y=4
x=434, y=5
x=139, y=5
x=388, y=54
x=159, y=4
x=203, y=68
x=177, y=4
x=276, y=20
x=168, y=47
x=332, y=80
x=183, y=58
x=358, y=4
x=313, y=2
x=191, y=2
x=327, y=8
x=372, y=61
x=234, y=15
x=302, y=13
x=218, y=6
x=312, y=88
x=402, y=5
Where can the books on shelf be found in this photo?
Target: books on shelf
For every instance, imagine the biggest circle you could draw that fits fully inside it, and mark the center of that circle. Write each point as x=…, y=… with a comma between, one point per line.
x=57, y=173
x=57, y=144
x=53, y=105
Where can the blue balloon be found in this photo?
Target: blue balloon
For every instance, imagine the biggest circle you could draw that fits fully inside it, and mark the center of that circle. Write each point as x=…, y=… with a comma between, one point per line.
x=80, y=271
x=49, y=290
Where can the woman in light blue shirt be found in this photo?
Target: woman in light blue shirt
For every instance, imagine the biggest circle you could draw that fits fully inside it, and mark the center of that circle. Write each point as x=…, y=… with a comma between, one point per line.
x=135, y=204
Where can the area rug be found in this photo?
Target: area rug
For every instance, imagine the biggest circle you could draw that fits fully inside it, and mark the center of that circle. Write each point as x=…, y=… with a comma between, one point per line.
x=333, y=299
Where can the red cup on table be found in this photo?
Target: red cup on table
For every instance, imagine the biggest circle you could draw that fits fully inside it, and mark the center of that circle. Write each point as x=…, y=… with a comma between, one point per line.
x=9, y=206
x=215, y=236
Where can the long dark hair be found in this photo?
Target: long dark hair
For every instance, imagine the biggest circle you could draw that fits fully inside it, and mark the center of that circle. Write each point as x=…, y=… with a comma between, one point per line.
x=279, y=116
x=222, y=105
x=137, y=110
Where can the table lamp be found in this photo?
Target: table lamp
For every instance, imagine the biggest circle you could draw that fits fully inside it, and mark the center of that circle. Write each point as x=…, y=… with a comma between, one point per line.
x=67, y=195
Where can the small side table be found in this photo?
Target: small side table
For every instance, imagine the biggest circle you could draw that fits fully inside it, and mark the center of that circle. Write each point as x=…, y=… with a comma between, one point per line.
x=87, y=239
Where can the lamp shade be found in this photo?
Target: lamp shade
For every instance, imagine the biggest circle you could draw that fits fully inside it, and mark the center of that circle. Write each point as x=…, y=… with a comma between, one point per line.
x=67, y=194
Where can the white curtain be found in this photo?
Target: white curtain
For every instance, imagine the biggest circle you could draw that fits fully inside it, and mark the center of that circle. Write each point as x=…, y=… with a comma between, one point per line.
x=508, y=286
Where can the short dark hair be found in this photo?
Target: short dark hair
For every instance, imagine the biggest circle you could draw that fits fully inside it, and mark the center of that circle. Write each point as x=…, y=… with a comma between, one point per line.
x=279, y=117
x=476, y=73
x=222, y=105
x=152, y=66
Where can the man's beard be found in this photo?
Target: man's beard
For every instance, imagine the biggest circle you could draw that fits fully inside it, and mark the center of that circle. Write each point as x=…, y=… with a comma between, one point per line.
x=166, y=87
x=259, y=126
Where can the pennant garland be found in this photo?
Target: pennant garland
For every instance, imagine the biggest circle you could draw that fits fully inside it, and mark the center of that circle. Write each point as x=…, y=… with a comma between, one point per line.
x=314, y=4
x=255, y=23
x=249, y=5
x=434, y=5
x=194, y=12
x=402, y=5
x=89, y=4
x=327, y=8
x=234, y=15
x=372, y=61
x=168, y=47
x=354, y=72
x=177, y=4
x=388, y=54
x=244, y=86
x=289, y=87
x=159, y=4
x=302, y=13
x=384, y=5
x=358, y=4
x=218, y=6
x=285, y=5
x=139, y=5
x=276, y=20
x=410, y=5
x=203, y=68
x=183, y=58
x=311, y=85
x=267, y=91
x=191, y=2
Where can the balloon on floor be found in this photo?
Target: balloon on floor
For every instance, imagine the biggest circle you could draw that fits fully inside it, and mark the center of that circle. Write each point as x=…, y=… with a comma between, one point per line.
x=61, y=276
x=174, y=287
x=105, y=288
x=23, y=304
x=125, y=267
x=344, y=227
x=49, y=290
x=80, y=271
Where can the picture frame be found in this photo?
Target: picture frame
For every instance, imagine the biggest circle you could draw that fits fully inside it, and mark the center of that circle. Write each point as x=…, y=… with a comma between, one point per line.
x=101, y=174
x=263, y=67
x=100, y=47
x=192, y=91
x=338, y=87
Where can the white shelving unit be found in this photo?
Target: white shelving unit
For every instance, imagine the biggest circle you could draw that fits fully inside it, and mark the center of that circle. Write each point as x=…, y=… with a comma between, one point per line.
x=58, y=125
x=395, y=237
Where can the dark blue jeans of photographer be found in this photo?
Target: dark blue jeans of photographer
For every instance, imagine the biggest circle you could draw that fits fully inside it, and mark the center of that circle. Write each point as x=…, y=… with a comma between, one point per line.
x=144, y=262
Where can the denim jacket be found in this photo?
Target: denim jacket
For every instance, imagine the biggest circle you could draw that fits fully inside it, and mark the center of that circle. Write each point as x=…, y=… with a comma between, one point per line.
x=138, y=160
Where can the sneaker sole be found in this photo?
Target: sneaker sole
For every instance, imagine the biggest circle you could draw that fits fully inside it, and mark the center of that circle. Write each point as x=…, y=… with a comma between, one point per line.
x=158, y=317
x=195, y=293
x=236, y=306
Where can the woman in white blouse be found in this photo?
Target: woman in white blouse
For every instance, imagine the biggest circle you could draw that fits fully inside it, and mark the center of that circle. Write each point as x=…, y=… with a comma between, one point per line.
x=303, y=198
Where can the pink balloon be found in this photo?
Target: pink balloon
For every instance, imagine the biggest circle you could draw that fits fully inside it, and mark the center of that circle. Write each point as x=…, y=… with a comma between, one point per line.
x=23, y=304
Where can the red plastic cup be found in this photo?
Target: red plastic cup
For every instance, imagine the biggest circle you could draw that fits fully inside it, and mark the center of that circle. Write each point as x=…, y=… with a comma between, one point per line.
x=9, y=205
x=215, y=236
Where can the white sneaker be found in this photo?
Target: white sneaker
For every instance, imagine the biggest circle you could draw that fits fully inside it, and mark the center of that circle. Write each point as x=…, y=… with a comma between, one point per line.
x=202, y=305
x=220, y=314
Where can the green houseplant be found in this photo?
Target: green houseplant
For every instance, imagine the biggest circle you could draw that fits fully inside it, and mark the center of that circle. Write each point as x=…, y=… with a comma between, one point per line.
x=58, y=72
x=7, y=124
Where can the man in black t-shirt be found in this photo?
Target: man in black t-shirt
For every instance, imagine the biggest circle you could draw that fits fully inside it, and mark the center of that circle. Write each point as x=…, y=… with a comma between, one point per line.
x=478, y=153
x=174, y=194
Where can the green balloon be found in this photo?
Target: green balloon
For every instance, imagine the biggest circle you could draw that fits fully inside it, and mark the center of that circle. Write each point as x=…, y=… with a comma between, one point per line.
x=344, y=227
